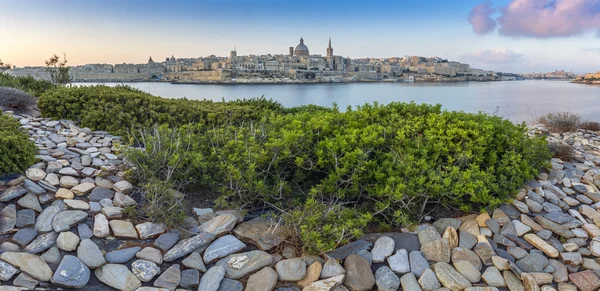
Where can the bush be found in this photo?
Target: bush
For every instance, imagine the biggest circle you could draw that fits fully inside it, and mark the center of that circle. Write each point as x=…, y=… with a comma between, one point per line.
x=14, y=98
x=392, y=161
x=561, y=150
x=590, y=125
x=17, y=152
x=122, y=108
x=560, y=121
x=28, y=84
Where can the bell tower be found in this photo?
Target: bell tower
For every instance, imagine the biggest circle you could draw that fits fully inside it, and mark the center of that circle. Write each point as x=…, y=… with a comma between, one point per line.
x=329, y=49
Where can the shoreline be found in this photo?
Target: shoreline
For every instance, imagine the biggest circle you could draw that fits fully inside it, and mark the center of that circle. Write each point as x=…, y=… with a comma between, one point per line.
x=285, y=83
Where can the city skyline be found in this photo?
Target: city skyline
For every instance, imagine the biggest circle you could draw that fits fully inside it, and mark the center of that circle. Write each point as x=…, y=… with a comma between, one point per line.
x=505, y=35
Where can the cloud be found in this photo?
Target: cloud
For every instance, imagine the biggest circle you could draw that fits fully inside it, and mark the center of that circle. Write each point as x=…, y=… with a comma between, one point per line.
x=493, y=56
x=592, y=49
x=481, y=18
x=542, y=18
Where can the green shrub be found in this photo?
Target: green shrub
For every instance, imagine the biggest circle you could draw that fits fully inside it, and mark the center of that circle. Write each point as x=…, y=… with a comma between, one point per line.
x=28, y=84
x=17, y=152
x=393, y=161
x=560, y=121
x=14, y=98
x=122, y=108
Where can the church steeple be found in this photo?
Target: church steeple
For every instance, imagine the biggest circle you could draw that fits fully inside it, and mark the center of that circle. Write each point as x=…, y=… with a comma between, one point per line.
x=330, y=49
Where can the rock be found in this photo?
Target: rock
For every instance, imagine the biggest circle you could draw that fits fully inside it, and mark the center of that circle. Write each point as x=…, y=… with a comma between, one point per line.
x=443, y=223
x=529, y=282
x=471, y=227
x=513, y=283
x=31, y=264
x=89, y=253
x=12, y=193
x=449, y=277
x=554, y=227
x=418, y=263
x=41, y=243
x=485, y=253
x=68, y=182
x=150, y=254
x=219, y=225
x=25, y=218
x=118, y=277
x=211, y=280
x=429, y=234
x=33, y=187
x=492, y=277
x=101, y=228
x=122, y=256
x=358, y=273
x=223, y=247
x=438, y=250
x=386, y=280
x=64, y=220
x=112, y=212
x=239, y=265
x=26, y=281
x=123, y=229
x=189, y=278
x=263, y=280
x=24, y=236
x=230, y=285
x=259, y=232
x=399, y=263
x=383, y=248
x=188, y=245
x=586, y=280
x=76, y=204
x=291, y=270
x=452, y=237
x=560, y=273
x=409, y=282
x=466, y=240
x=331, y=269
x=532, y=262
x=122, y=200
x=71, y=273
x=170, y=278
x=521, y=228
x=194, y=261
x=52, y=256
x=144, y=270
x=30, y=201
x=7, y=271
x=100, y=193
x=166, y=241
x=148, y=230
x=67, y=241
x=325, y=285
x=429, y=281
x=542, y=245
x=571, y=258
x=124, y=187
x=8, y=219
x=313, y=272
x=469, y=271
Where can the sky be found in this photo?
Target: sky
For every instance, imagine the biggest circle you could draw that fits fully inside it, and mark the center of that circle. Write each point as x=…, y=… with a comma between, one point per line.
x=504, y=35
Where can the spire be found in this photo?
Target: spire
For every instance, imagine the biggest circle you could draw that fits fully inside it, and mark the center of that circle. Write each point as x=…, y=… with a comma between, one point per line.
x=330, y=42
x=301, y=40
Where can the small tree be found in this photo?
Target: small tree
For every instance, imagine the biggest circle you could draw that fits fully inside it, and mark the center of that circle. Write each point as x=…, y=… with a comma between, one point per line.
x=58, y=70
x=4, y=66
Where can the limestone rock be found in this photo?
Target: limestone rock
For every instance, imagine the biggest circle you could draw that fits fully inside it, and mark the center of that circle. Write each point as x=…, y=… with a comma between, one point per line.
x=399, y=263
x=194, y=261
x=429, y=281
x=170, y=279
x=263, y=280
x=469, y=271
x=148, y=230
x=8, y=219
x=118, y=277
x=449, y=277
x=123, y=229
x=150, y=254
x=409, y=282
x=67, y=241
x=386, y=280
x=71, y=273
x=145, y=270
x=260, y=232
x=101, y=227
x=291, y=270
x=239, y=265
x=89, y=253
x=313, y=272
x=223, y=247
x=30, y=264
x=331, y=269
x=438, y=250
x=211, y=280
x=64, y=220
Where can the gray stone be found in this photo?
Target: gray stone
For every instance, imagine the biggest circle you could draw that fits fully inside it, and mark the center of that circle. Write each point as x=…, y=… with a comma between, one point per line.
x=25, y=236
x=188, y=245
x=170, y=278
x=64, y=220
x=358, y=273
x=449, y=277
x=239, y=265
x=26, y=281
x=118, y=277
x=428, y=234
x=145, y=270
x=291, y=270
x=89, y=253
x=429, y=281
x=71, y=273
x=123, y=186
x=220, y=224
x=463, y=254
x=468, y=270
x=230, y=285
x=31, y=264
x=442, y=223
x=263, y=280
x=211, y=280
x=366, y=255
x=466, y=240
x=7, y=271
x=41, y=243
x=386, y=280
x=260, y=232
x=67, y=241
x=558, y=217
x=44, y=220
x=383, y=248
x=352, y=248
x=100, y=193
x=123, y=229
x=33, y=187
x=150, y=254
x=122, y=256
x=493, y=277
x=189, y=278
x=438, y=250
x=52, y=256
x=8, y=219
x=148, y=230
x=223, y=247
x=30, y=201
x=399, y=263
x=409, y=282
x=332, y=268
x=418, y=263
x=533, y=262
x=84, y=231
x=194, y=261
x=166, y=241
x=12, y=193
x=68, y=182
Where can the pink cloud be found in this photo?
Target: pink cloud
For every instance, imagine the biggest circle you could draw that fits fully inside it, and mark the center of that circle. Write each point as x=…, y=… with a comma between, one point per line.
x=493, y=56
x=543, y=18
x=481, y=19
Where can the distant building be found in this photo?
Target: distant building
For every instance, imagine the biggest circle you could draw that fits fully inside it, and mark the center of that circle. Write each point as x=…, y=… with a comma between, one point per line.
x=301, y=49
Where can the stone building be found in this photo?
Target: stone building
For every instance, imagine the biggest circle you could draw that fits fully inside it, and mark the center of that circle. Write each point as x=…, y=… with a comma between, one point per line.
x=301, y=49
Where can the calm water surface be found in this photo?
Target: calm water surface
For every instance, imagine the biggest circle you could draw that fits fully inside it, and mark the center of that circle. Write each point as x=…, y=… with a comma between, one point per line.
x=515, y=100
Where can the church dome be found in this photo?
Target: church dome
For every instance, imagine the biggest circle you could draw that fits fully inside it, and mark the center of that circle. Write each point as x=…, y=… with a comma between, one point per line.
x=301, y=49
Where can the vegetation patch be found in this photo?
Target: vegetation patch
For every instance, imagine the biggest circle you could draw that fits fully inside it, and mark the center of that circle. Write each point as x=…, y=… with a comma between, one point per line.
x=14, y=98
x=560, y=121
x=590, y=125
x=28, y=84
x=17, y=152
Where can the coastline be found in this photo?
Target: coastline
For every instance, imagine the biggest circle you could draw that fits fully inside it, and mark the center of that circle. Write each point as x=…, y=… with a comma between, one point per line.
x=291, y=82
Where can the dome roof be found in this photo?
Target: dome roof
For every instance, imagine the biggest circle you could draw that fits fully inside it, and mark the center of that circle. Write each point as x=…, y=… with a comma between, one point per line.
x=301, y=49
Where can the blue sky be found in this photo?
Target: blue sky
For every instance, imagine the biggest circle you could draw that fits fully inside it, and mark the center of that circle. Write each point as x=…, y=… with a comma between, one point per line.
x=492, y=37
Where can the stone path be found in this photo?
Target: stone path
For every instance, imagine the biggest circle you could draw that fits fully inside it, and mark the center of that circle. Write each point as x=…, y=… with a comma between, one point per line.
x=61, y=225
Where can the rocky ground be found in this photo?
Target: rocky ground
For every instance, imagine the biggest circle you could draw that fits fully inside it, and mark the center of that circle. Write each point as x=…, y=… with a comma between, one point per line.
x=62, y=226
